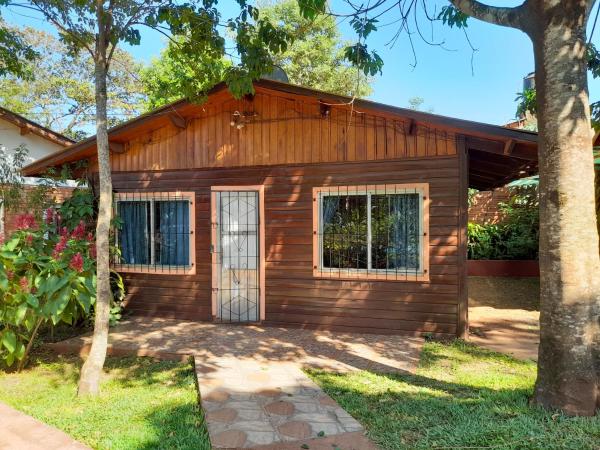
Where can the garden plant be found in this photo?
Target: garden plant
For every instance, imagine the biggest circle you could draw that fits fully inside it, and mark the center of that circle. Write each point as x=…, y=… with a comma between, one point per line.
x=48, y=274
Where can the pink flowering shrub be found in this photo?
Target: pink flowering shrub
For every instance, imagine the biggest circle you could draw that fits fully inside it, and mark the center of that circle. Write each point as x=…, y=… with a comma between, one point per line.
x=47, y=275
x=25, y=222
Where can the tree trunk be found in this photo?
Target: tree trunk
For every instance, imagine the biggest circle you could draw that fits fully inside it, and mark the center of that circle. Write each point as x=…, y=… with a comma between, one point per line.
x=89, y=381
x=569, y=259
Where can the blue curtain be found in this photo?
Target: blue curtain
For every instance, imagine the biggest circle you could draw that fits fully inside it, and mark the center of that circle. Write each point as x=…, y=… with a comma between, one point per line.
x=173, y=225
x=134, y=235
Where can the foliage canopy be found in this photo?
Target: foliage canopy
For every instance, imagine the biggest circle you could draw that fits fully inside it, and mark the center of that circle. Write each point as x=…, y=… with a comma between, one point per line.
x=60, y=94
x=314, y=57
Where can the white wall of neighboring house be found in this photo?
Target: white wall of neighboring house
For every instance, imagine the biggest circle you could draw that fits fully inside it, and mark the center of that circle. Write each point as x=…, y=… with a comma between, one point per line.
x=11, y=137
x=37, y=146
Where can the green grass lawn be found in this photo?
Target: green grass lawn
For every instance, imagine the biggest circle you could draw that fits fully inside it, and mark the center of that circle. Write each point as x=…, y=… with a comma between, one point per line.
x=144, y=404
x=461, y=397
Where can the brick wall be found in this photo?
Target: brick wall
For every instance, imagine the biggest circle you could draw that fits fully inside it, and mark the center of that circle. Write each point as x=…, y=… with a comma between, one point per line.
x=484, y=207
x=58, y=195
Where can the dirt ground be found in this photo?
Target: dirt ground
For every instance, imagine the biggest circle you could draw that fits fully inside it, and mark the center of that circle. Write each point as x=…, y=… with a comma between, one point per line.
x=504, y=315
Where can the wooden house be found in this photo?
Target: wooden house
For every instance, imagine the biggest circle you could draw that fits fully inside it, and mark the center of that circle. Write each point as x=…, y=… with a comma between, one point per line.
x=295, y=207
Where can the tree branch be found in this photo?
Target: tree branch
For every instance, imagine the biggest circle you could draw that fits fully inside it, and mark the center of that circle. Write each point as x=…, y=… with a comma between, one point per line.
x=498, y=15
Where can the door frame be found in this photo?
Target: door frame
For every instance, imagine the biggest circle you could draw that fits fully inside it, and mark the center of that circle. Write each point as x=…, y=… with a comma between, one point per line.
x=261, y=243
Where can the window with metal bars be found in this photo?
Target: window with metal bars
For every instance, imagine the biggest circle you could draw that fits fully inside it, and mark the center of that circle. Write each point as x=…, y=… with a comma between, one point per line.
x=373, y=231
x=155, y=232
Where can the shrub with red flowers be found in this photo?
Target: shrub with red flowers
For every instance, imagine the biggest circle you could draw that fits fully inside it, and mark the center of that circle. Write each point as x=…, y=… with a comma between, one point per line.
x=44, y=277
x=47, y=275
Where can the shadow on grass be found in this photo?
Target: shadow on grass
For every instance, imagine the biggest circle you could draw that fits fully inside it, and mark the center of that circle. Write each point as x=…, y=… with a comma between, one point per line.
x=143, y=403
x=180, y=427
x=461, y=397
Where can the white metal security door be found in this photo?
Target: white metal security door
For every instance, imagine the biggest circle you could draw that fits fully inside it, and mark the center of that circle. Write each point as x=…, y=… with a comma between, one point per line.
x=237, y=247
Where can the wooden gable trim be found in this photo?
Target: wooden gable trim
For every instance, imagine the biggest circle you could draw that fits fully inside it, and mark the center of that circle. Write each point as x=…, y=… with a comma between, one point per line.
x=180, y=113
x=28, y=126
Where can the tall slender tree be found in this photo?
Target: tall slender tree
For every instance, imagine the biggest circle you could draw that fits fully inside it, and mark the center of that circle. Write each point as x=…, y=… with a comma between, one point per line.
x=98, y=27
x=569, y=354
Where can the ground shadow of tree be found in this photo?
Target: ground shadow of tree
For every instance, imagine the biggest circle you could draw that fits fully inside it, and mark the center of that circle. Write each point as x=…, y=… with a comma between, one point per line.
x=429, y=411
x=177, y=428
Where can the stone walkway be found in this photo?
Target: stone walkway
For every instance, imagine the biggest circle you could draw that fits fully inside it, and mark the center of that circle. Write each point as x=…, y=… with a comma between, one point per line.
x=249, y=404
x=19, y=431
x=252, y=387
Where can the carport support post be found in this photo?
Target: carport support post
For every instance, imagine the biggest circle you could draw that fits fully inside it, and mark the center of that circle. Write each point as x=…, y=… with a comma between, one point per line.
x=462, y=329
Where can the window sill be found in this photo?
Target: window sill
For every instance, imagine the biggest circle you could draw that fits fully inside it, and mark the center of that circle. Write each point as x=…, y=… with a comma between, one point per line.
x=350, y=276
x=179, y=270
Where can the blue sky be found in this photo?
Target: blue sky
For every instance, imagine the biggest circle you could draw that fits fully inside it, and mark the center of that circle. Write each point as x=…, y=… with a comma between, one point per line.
x=443, y=77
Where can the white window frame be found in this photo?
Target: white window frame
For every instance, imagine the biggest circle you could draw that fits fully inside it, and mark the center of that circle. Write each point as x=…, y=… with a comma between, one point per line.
x=420, y=274
x=151, y=197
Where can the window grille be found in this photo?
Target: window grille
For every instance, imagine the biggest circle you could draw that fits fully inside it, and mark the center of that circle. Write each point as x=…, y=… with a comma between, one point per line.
x=155, y=232
x=371, y=231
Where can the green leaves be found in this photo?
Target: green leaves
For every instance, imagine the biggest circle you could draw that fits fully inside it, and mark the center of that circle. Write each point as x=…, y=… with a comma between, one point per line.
x=15, y=53
x=363, y=26
x=453, y=17
x=9, y=340
x=60, y=91
x=359, y=56
x=38, y=283
x=516, y=236
x=527, y=102
x=312, y=8
x=593, y=60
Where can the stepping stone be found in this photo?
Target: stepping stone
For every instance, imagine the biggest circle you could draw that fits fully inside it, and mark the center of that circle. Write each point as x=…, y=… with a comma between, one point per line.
x=281, y=408
x=217, y=396
x=326, y=400
x=295, y=429
x=269, y=393
x=229, y=439
x=222, y=415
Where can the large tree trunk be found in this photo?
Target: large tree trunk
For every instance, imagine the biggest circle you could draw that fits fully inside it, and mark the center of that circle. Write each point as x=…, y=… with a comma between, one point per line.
x=89, y=381
x=569, y=258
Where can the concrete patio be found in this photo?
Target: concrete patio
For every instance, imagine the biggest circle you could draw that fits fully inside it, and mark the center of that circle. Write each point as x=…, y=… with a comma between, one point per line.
x=252, y=387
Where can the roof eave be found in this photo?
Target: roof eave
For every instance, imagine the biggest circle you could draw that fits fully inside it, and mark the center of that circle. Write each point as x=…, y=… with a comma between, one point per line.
x=461, y=126
x=30, y=126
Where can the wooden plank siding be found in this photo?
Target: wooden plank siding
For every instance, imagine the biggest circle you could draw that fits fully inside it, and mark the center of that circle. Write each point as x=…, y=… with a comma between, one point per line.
x=280, y=129
x=293, y=296
x=291, y=144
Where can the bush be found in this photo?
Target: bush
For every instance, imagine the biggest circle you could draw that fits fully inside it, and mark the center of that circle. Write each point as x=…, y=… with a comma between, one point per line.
x=517, y=237
x=48, y=275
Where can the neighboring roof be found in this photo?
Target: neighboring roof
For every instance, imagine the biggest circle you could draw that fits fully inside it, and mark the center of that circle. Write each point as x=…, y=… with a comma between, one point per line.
x=29, y=126
x=512, y=150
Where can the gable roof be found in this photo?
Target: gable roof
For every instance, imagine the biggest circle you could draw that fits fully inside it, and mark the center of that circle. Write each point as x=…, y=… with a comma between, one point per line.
x=510, y=151
x=29, y=126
